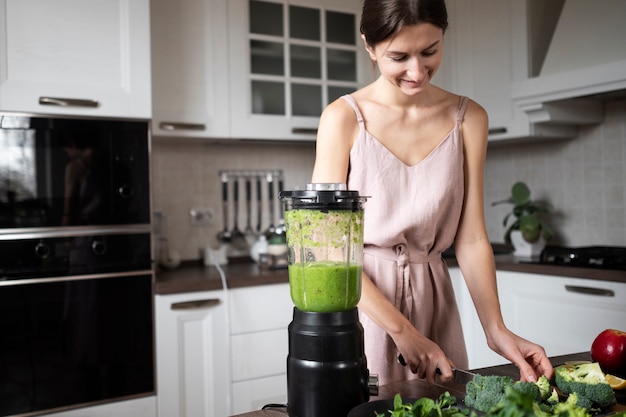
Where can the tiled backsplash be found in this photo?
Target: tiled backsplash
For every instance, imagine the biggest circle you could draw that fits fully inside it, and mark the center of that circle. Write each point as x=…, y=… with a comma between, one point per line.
x=584, y=179
x=185, y=176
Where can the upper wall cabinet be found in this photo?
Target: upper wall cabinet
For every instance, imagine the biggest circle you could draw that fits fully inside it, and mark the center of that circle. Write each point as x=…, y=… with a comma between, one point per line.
x=488, y=47
x=88, y=58
x=190, y=68
x=288, y=60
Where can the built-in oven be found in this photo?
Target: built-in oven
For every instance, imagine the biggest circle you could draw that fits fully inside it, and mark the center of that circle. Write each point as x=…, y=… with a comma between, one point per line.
x=76, y=267
x=76, y=321
x=72, y=172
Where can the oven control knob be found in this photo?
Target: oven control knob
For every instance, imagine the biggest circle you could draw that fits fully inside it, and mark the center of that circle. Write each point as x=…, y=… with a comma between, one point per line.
x=42, y=250
x=99, y=247
x=126, y=191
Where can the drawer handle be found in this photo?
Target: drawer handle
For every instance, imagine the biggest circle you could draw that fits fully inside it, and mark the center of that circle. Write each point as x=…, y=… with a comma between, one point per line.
x=68, y=102
x=196, y=304
x=590, y=291
x=172, y=126
x=497, y=130
x=304, y=131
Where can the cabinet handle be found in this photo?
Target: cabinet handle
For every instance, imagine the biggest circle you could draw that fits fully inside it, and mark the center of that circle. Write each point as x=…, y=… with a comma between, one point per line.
x=196, y=304
x=590, y=291
x=68, y=102
x=497, y=130
x=171, y=126
x=304, y=131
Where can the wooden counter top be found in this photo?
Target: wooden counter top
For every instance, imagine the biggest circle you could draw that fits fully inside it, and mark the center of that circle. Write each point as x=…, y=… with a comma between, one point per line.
x=419, y=388
x=193, y=276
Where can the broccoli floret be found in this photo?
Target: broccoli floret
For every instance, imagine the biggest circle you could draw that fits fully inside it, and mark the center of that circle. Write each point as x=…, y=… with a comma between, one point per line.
x=485, y=392
x=571, y=407
x=519, y=404
x=553, y=398
x=579, y=401
x=544, y=387
x=529, y=388
x=586, y=380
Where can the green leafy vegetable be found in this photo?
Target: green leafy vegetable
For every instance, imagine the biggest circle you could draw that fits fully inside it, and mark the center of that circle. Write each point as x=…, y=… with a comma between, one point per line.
x=444, y=406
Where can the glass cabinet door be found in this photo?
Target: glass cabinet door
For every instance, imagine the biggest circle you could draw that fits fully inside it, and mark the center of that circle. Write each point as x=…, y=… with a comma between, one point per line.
x=301, y=58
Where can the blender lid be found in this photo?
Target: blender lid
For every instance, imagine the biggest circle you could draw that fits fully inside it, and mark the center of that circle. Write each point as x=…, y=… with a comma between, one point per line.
x=324, y=195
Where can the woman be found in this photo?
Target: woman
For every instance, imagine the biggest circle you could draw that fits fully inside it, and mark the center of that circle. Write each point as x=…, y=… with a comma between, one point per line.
x=419, y=152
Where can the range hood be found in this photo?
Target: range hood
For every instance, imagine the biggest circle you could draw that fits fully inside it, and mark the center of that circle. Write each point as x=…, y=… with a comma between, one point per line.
x=584, y=65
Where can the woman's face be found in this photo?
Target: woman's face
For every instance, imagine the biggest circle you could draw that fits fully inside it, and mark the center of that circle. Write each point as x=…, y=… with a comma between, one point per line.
x=410, y=59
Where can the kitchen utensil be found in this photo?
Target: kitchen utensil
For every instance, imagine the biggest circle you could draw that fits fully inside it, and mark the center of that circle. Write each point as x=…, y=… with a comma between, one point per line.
x=324, y=227
x=270, y=192
x=259, y=205
x=249, y=232
x=224, y=235
x=238, y=239
x=459, y=376
x=327, y=371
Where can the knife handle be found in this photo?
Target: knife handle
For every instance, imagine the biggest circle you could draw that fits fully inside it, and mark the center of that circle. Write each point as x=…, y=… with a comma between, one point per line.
x=403, y=363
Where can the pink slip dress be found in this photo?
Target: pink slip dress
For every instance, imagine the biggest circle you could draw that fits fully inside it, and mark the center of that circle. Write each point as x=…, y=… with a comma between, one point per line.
x=411, y=217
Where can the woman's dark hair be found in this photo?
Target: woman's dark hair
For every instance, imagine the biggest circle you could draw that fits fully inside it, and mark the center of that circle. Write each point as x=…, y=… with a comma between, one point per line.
x=381, y=19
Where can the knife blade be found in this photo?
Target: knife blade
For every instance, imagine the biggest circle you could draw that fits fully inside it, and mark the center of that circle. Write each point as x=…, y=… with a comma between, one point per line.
x=459, y=376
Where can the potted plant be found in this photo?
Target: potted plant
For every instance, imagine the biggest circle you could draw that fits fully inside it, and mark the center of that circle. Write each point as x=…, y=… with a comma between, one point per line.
x=527, y=232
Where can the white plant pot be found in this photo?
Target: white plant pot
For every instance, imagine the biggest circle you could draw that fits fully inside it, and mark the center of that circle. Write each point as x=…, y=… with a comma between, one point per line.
x=525, y=249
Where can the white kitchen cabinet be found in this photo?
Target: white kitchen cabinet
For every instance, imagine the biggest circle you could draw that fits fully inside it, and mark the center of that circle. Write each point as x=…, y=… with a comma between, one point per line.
x=260, y=316
x=488, y=47
x=190, y=68
x=75, y=57
x=193, y=371
x=288, y=59
x=562, y=314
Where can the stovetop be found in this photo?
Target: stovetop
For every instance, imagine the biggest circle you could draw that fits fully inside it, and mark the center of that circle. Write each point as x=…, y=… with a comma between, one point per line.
x=601, y=257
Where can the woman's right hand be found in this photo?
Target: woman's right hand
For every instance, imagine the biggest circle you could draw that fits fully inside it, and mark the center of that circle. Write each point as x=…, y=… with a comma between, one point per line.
x=423, y=356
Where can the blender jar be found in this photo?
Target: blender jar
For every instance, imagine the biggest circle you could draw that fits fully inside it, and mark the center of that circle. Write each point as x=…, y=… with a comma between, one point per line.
x=324, y=231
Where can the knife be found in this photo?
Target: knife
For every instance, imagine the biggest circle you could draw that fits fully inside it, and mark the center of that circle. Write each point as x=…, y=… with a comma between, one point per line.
x=459, y=376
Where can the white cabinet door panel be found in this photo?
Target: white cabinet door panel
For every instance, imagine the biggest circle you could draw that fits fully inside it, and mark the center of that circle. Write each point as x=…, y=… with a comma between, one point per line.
x=263, y=307
x=97, y=51
x=252, y=395
x=256, y=355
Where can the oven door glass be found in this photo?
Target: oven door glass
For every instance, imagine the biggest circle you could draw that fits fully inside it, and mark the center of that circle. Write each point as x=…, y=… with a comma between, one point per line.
x=73, y=172
x=76, y=342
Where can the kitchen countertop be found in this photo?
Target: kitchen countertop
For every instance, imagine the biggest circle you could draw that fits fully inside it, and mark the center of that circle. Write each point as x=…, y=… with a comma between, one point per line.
x=418, y=388
x=193, y=276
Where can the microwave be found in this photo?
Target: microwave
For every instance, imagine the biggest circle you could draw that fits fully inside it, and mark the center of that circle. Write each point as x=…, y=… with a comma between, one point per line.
x=72, y=172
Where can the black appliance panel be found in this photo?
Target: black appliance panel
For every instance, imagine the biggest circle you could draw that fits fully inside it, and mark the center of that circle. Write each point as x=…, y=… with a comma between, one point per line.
x=600, y=257
x=68, y=343
x=68, y=256
x=73, y=172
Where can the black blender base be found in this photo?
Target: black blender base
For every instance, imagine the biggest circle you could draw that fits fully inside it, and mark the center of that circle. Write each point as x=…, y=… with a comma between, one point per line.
x=327, y=372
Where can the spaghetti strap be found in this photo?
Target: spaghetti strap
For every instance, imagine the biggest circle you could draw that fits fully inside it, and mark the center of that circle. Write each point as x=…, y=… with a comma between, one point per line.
x=463, y=101
x=352, y=102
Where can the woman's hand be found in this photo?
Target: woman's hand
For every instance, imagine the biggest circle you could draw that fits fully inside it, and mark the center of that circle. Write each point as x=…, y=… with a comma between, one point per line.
x=422, y=355
x=530, y=358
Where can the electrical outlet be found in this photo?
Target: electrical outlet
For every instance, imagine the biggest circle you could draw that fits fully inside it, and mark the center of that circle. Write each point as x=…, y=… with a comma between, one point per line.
x=201, y=216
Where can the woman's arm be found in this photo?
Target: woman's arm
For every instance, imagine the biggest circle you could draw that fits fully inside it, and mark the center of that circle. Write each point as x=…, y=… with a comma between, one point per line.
x=475, y=256
x=336, y=133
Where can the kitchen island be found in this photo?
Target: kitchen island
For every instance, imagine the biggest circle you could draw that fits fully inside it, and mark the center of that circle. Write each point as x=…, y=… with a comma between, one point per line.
x=419, y=388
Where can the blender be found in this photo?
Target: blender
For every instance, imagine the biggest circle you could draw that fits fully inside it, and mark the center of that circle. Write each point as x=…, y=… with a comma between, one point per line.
x=327, y=371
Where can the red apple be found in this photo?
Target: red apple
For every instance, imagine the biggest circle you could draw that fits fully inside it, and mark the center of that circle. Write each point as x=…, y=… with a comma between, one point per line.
x=609, y=350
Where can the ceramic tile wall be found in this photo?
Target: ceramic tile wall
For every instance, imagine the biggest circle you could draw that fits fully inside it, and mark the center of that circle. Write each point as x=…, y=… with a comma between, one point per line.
x=584, y=179
x=185, y=176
